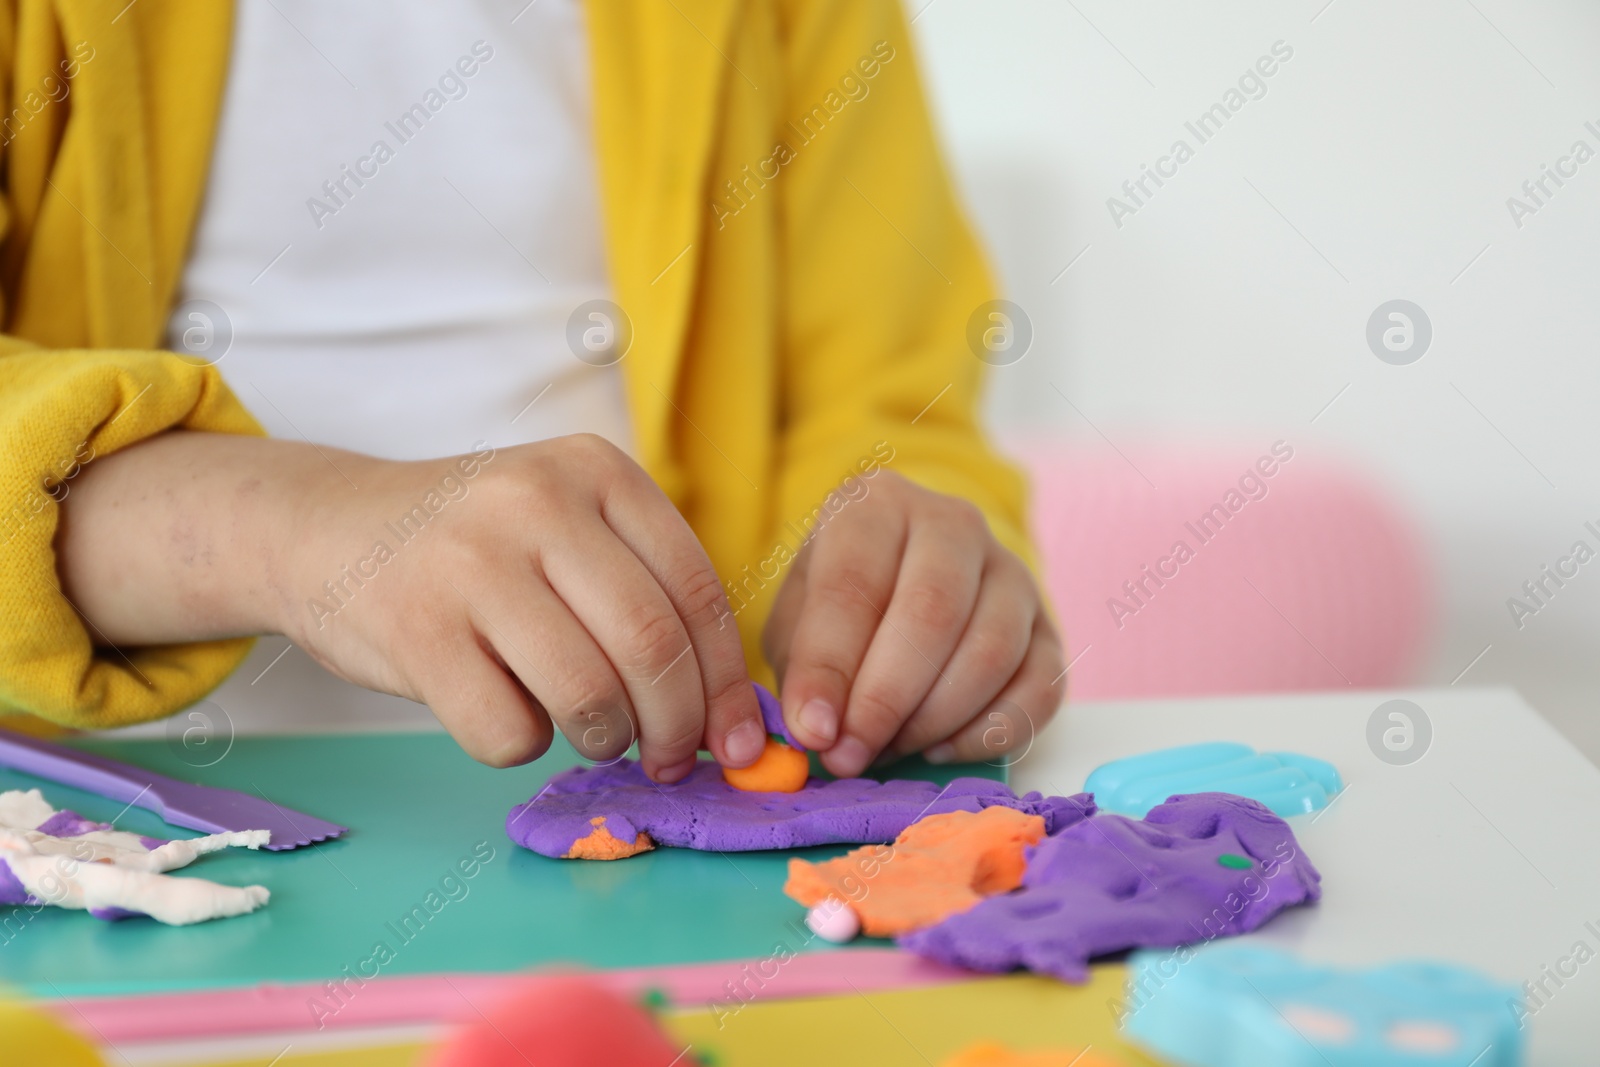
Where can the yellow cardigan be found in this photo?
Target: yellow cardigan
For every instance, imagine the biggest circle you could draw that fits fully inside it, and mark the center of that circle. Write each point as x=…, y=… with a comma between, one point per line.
x=779, y=229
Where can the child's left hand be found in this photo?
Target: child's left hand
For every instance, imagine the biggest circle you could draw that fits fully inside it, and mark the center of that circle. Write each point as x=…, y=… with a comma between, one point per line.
x=905, y=626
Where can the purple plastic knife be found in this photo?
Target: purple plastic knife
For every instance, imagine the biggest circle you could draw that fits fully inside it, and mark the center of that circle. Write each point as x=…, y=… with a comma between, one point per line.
x=195, y=807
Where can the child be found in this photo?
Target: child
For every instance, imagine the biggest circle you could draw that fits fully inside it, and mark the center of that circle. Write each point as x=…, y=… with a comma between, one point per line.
x=717, y=234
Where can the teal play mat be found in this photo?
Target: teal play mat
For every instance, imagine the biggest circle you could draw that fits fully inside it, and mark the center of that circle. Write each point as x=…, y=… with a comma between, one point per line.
x=422, y=815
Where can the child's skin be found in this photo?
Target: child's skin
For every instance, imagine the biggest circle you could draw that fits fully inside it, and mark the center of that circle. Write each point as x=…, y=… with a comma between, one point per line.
x=564, y=590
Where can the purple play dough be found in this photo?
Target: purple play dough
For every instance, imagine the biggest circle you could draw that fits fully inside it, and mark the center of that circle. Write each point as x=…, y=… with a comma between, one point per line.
x=1109, y=883
x=11, y=891
x=772, y=716
x=704, y=812
x=69, y=824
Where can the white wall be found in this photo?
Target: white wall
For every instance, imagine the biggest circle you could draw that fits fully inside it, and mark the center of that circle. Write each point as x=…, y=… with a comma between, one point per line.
x=1234, y=303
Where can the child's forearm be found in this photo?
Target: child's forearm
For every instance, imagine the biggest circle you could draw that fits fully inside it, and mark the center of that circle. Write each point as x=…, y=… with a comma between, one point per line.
x=182, y=537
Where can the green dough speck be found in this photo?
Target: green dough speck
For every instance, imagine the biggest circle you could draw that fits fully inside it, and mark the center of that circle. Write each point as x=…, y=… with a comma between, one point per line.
x=1237, y=862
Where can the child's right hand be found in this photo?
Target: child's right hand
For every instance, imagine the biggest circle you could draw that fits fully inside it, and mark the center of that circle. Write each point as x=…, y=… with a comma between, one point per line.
x=549, y=583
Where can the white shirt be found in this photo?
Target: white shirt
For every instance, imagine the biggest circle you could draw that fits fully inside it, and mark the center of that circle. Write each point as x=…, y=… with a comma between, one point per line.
x=401, y=219
x=419, y=301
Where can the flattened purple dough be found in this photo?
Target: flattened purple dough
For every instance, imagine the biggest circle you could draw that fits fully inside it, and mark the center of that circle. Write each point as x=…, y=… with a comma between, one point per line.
x=11, y=890
x=1110, y=883
x=70, y=824
x=704, y=812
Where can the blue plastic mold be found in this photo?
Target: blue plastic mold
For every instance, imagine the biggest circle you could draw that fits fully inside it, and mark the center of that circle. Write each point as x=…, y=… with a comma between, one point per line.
x=1286, y=782
x=1245, y=1005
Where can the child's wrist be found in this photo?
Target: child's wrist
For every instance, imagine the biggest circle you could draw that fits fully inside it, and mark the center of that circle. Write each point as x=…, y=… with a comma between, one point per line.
x=300, y=515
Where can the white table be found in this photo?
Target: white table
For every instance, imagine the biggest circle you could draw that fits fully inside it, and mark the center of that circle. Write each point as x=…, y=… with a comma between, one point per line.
x=1484, y=852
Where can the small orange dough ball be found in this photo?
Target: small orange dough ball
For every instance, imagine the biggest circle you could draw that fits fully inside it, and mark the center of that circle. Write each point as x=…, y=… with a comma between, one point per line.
x=780, y=769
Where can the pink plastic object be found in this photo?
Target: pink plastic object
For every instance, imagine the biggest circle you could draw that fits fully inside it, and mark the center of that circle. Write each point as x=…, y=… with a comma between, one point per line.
x=1315, y=581
x=562, y=1021
x=457, y=998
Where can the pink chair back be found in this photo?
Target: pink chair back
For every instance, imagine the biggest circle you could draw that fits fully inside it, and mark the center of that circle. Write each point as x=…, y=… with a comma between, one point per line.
x=1186, y=571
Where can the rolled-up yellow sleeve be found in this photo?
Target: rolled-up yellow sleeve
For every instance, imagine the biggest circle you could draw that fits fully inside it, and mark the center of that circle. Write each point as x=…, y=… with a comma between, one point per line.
x=59, y=410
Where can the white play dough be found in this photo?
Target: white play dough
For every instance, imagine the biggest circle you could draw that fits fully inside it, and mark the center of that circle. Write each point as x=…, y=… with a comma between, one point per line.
x=113, y=869
x=24, y=810
x=126, y=850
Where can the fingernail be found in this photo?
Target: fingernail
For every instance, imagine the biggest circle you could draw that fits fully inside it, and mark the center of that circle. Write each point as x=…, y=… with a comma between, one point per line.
x=744, y=742
x=945, y=753
x=850, y=756
x=668, y=775
x=819, y=718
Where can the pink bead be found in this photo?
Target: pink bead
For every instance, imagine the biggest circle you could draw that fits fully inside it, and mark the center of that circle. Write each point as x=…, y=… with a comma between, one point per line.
x=834, y=920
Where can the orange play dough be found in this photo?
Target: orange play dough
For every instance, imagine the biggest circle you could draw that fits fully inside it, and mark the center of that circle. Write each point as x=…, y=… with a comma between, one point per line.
x=779, y=769
x=937, y=867
x=994, y=1054
x=602, y=845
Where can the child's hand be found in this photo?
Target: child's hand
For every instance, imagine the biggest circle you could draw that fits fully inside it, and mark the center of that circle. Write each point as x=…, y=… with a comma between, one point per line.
x=550, y=582
x=902, y=626
x=554, y=582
